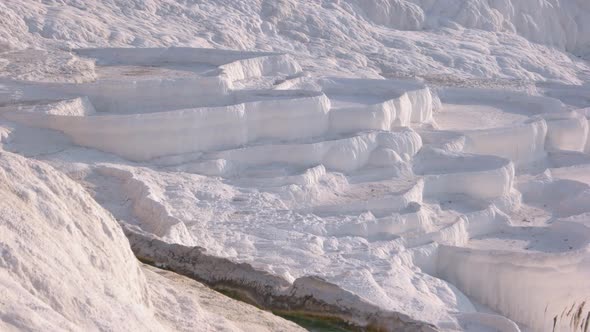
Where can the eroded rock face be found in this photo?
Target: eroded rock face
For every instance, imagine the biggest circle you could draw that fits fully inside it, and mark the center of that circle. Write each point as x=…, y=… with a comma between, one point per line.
x=308, y=295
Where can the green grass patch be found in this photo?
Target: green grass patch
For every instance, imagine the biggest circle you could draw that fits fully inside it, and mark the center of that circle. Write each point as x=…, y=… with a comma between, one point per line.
x=316, y=323
x=237, y=295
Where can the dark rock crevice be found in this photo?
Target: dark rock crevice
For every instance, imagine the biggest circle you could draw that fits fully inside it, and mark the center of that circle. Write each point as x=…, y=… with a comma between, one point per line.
x=307, y=296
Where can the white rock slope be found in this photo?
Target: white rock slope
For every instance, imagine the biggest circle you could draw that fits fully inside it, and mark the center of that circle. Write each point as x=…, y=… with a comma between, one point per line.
x=66, y=265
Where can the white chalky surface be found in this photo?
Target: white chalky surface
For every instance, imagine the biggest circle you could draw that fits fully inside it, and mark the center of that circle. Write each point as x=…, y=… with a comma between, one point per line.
x=431, y=157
